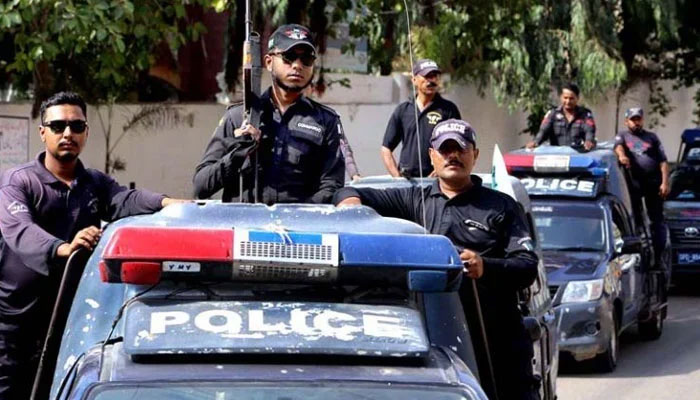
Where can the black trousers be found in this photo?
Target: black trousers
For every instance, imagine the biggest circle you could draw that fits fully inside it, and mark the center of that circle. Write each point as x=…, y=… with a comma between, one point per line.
x=20, y=349
x=649, y=192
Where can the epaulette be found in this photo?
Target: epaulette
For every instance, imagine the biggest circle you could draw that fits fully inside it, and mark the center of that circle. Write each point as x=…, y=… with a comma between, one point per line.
x=324, y=107
x=236, y=104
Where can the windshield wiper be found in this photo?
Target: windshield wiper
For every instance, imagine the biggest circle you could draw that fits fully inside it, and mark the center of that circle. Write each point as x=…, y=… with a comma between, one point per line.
x=573, y=248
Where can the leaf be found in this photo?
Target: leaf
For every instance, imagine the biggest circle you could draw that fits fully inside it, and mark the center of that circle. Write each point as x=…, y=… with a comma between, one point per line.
x=220, y=5
x=179, y=10
x=15, y=17
x=139, y=30
x=120, y=44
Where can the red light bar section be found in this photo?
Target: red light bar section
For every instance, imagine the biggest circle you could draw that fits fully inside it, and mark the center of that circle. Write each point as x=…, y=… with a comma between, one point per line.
x=516, y=162
x=162, y=244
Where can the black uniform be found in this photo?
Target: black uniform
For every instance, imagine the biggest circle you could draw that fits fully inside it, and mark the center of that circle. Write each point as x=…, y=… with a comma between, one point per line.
x=402, y=129
x=299, y=155
x=38, y=213
x=493, y=225
x=646, y=153
x=560, y=132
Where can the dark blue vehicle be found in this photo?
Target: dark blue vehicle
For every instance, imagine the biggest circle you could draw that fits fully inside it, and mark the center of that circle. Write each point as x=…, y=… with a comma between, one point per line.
x=232, y=301
x=682, y=209
x=597, y=251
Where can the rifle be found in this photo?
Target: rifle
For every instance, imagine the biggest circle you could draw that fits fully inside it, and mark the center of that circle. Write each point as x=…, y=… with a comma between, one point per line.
x=252, y=72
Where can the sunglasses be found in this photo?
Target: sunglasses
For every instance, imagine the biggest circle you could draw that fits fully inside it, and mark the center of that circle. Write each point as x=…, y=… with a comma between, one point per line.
x=59, y=125
x=290, y=56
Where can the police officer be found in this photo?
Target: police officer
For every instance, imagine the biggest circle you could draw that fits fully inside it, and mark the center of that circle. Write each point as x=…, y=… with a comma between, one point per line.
x=49, y=208
x=297, y=145
x=431, y=108
x=491, y=228
x=643, y=154
x=567, y=125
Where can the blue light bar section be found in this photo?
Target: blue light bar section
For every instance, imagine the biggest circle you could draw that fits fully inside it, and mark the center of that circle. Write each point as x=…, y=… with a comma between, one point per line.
x=582, y=162
x=425, y=259
x=691, y=135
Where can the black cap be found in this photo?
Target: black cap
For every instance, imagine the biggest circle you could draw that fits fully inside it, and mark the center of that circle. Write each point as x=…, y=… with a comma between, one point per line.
x=455, y=129
x=634, y=112
x=287, y=36
x=424, y=67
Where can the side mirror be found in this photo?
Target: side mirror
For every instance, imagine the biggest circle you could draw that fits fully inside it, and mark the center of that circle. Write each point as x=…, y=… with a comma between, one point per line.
x=533, y=328
x=630, y=245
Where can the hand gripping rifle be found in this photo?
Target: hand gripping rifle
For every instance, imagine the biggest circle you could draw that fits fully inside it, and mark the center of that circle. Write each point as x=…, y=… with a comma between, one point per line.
x=252, y=72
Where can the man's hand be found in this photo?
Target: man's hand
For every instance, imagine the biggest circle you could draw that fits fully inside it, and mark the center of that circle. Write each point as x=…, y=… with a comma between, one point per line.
x=624, y=160
x=247, y=129
x=531, y=145
x=349, y=202
x=588, y=144
x=473, y=264
x=86, y=238
x=356, y=177
x=168, y=201
x=664, y=190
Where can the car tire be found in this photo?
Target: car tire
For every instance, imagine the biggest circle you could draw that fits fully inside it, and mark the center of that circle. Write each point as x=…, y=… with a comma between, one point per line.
x=607, y=361
x=653, y=328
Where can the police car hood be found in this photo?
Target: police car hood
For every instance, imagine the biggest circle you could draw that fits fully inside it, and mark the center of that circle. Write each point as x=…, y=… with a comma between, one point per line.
x=685, y=210
x=564, y=266
x=288, y=217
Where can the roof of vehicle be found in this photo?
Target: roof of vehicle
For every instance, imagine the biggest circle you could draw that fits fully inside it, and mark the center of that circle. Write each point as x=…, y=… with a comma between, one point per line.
x=691, y=135
x=602, y=166
x=96, y=304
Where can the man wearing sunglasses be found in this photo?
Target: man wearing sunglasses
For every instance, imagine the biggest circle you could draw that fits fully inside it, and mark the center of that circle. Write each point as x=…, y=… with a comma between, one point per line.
x=49, y=208
x=297, y=144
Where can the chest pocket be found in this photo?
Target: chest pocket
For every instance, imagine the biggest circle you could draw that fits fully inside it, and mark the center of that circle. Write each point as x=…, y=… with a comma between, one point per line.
x=476, y=234
x=305, y=137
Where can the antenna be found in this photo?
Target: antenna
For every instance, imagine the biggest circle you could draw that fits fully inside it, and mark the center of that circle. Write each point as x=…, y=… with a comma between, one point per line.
x=415, y=112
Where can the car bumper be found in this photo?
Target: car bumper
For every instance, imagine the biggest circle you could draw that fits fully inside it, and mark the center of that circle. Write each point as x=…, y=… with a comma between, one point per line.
x=585, y=328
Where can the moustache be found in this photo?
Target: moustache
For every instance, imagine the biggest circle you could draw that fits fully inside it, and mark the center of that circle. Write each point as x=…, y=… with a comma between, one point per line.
x=454, y=163
x=432, y=84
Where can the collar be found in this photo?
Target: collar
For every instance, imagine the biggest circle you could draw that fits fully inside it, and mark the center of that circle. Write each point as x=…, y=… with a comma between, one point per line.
x=267, y=99
x=46, y=176
x=436, y=99
x=435, y=187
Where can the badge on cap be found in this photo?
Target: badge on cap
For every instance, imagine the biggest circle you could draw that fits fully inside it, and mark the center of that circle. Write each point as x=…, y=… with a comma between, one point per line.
x=296, y=34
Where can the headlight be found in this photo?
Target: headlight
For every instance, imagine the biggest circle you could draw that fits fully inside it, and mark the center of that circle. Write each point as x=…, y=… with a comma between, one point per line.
x=580, y=291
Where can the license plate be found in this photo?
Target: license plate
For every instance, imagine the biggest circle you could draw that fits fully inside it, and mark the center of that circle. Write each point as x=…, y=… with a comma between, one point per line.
x=222, y=327
x=283, y=248
x=688, y=258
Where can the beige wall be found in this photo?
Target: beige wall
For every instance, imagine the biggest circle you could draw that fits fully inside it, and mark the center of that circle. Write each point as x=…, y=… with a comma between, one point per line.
x=164, y=160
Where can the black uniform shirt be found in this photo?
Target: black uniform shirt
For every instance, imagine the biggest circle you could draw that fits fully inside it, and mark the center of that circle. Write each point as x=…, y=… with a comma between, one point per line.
x=300, y=160
x=402, y=129
x=38, y=213
x=646, y=154
x=561, y=132
x=480, y=219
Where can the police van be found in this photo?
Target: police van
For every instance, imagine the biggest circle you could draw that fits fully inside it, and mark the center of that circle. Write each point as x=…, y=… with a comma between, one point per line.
x=232, y=301
x=597, y=250
x=682, y=208
x=535, y=302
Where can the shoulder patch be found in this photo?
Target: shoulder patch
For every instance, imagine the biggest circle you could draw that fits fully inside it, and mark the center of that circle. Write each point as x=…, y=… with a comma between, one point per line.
x=324, y=107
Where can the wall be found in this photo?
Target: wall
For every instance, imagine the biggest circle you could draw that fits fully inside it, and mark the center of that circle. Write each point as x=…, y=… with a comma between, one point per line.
x=164, y=160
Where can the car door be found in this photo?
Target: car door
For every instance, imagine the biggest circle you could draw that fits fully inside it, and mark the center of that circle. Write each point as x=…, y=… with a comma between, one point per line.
x=629, y=266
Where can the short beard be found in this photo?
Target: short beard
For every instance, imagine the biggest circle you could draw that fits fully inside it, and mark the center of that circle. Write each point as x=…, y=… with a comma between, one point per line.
x=65, y=157
x=292, y=89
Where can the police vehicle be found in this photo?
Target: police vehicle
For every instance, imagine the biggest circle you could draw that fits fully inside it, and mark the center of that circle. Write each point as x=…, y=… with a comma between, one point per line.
x=233, y=301
x=682, y=209
x=535, y=302
x=597, y=251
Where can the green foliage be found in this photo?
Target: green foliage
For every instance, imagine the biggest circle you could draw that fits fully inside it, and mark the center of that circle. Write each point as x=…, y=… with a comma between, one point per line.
x=96, y=47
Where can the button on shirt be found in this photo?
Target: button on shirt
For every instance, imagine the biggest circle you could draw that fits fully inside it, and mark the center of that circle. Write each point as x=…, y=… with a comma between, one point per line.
x=646, y=153
x=560, y=132
x=38, y=213
x=299, y=155
x=483, y=220
x=402, y=129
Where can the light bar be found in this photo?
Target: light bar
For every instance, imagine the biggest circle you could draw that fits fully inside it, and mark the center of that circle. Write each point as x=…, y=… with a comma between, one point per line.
x=147, y=255
x=552, y=163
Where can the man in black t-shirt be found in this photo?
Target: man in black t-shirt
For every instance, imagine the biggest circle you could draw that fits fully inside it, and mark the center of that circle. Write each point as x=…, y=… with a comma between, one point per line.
x=431, y=108
x=643, y=154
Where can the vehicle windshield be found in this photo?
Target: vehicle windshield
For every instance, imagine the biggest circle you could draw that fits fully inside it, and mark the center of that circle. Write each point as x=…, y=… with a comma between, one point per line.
x=570, y=228
x=205, y=391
